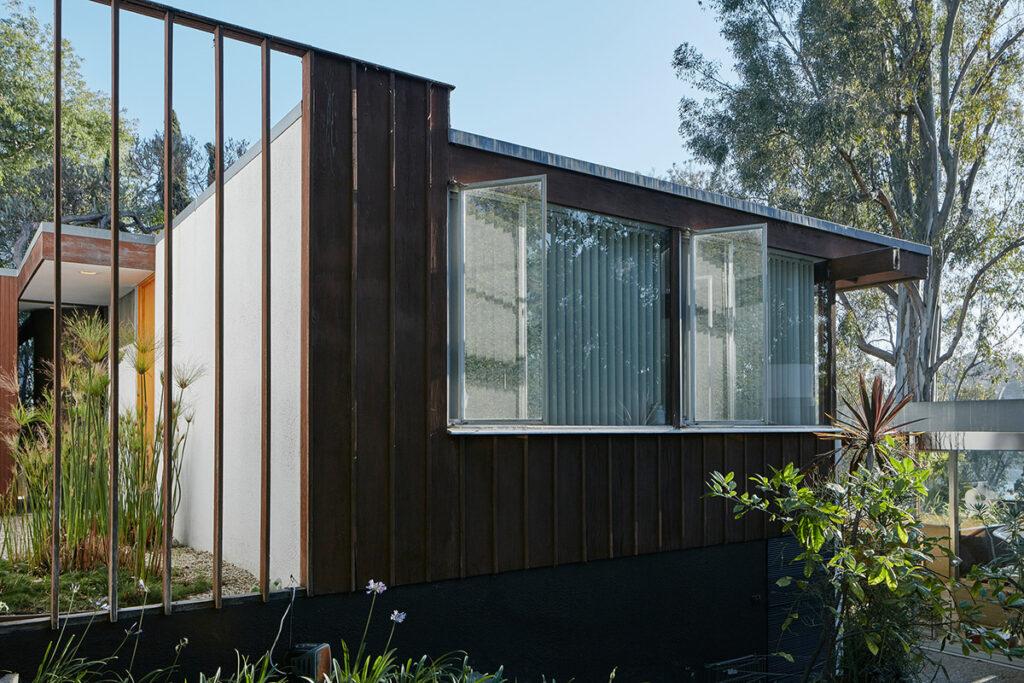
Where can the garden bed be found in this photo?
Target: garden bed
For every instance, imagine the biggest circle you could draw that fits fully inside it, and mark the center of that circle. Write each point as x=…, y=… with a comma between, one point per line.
x=27, y=592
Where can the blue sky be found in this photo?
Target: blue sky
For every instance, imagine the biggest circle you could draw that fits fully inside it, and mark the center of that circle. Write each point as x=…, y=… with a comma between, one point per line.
x=587, y=79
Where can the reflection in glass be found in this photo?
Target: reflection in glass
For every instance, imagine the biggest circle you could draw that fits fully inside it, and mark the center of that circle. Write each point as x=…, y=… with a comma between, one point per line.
x=503, y=302
x=989, y=500
x=729, y=325
x=606, y=320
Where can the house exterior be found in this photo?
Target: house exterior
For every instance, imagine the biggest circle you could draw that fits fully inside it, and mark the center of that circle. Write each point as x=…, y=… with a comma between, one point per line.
x=495, y=369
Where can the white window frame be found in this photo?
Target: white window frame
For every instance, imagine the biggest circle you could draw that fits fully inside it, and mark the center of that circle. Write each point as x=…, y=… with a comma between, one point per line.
x=456, y=288
x=689, y=338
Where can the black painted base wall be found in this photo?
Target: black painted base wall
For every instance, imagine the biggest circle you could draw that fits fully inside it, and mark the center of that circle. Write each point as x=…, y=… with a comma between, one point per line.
x=656, y=618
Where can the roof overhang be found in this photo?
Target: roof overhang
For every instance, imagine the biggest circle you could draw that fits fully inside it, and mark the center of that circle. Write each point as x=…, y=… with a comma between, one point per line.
x=85, y=266
x=857, y=258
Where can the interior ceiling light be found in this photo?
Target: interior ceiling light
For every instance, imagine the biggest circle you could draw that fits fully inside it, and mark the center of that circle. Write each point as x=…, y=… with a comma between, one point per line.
x=87, y=272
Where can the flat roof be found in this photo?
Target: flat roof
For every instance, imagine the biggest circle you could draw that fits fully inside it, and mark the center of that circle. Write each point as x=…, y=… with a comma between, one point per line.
x=81, y=231
x=510, y=149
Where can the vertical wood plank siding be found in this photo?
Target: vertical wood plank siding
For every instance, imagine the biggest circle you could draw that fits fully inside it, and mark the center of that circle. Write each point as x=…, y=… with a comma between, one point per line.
x=429, y=506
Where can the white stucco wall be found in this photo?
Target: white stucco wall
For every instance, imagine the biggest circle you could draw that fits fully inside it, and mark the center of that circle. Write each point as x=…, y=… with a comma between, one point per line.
x=194, y=344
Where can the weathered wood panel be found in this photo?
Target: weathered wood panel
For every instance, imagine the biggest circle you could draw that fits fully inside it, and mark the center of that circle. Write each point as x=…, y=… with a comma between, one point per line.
x=390, y=493
x=637, y=203
x=326, y=409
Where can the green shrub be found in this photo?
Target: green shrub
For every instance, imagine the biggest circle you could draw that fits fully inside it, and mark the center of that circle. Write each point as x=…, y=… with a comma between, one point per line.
x=85, y=436
x=865, y=556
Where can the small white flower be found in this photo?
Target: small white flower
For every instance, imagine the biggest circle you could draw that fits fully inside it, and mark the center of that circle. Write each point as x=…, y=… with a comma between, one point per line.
x=142, y=586
x=377, y=587
x=398, y=617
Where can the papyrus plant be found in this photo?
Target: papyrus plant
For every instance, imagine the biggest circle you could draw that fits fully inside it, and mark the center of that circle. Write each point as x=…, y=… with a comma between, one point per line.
x=83, y=542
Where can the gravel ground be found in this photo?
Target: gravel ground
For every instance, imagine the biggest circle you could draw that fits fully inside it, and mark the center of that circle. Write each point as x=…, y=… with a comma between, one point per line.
x=973, y=669
x=192, y=563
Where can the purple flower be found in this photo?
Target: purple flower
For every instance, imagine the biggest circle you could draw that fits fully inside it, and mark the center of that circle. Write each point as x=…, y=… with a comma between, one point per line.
x=377, y=587
x=398, y=617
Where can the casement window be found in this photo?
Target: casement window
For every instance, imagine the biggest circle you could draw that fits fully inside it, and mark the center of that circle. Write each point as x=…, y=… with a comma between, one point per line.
x=560, y=316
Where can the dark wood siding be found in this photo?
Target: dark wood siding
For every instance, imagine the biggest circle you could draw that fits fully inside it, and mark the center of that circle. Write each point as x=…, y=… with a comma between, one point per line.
x=390, y=493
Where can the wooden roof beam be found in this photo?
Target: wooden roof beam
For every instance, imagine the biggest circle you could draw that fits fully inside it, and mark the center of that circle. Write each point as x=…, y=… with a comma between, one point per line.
x=872, y=268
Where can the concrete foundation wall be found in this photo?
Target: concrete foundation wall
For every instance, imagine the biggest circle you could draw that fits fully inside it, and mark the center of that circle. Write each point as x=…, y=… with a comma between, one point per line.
x=193, y=330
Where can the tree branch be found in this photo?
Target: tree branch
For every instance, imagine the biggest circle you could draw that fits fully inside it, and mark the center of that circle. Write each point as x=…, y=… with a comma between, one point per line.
x=969, y=294
x=877, y=195
x=862, y=343
x=792, y=47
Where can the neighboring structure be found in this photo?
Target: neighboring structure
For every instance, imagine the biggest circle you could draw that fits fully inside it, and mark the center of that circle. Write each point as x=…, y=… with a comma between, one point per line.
x=488, y=358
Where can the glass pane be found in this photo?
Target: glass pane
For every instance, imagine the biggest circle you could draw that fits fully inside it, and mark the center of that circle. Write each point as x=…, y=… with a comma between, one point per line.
x=792, y=341
x=728, y=302
x=503, y=251
x=607, y=324
x=990, y=492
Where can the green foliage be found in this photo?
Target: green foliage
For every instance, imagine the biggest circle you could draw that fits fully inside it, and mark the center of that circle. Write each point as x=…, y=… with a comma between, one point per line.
x=26, y=142
x=26, y=533
x=65, y=663
x=26, y=591
x=864, y=553
x=897, y=116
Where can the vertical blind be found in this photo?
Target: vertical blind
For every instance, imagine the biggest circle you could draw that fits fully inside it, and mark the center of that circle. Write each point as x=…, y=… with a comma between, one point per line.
x=607, y=332
x=793, y=395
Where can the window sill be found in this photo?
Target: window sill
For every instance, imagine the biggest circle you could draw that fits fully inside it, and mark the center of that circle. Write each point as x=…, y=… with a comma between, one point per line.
x=525, y=430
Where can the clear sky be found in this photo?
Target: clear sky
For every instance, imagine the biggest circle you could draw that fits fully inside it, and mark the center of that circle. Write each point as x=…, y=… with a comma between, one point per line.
x=589, y=79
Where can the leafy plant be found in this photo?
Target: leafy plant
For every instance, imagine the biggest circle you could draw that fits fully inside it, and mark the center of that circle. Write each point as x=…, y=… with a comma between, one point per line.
x=864, y=553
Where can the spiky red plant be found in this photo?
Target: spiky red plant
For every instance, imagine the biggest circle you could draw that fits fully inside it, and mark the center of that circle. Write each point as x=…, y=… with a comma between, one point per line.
x=870, y=420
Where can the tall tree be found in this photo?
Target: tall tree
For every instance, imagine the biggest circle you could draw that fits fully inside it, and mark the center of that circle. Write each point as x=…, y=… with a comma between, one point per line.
x=894, y=115
x=26, y=129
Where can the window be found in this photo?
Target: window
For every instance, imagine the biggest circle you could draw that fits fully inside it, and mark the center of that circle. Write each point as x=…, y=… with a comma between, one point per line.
x=607, y=334
x=561, y=316
x=501, y=323
x=727, y=319
x=792, y=341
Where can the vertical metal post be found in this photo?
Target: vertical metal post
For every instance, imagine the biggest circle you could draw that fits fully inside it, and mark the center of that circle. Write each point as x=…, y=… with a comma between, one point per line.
x=218, y=327
x=58, y=407
x=115, y=286
x=827, y=388
x=166, y=492
x=265, y=330
x=953, y=475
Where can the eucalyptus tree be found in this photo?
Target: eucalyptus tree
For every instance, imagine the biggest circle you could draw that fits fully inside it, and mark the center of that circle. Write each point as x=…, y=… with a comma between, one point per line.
x=902, y=116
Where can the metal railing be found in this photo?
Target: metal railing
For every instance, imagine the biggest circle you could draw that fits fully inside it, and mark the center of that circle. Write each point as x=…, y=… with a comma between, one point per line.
x=221, y=31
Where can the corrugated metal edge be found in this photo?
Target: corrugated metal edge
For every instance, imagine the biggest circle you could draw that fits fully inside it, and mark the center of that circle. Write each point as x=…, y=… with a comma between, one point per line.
x=458, y=137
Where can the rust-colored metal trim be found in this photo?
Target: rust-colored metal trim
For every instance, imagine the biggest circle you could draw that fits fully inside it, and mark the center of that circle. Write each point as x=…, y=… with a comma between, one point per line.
x=113, y=313
x=218, y=324
x=304, y=332
x=265, y=327
x=202, y=23
x=167, y=391
x=58, y=320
